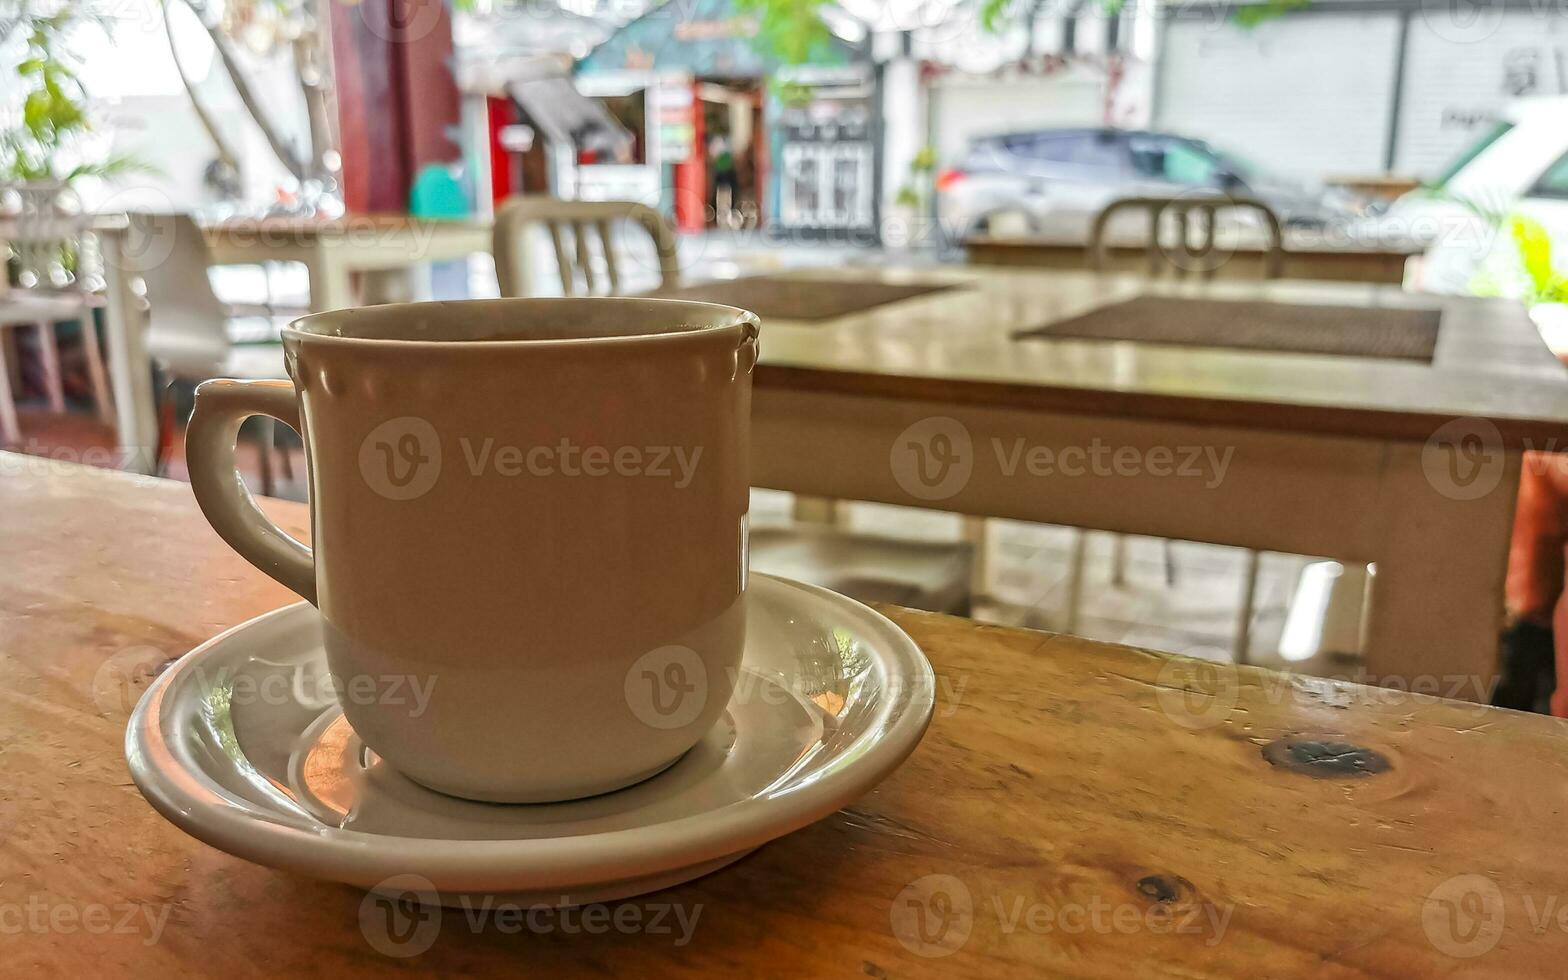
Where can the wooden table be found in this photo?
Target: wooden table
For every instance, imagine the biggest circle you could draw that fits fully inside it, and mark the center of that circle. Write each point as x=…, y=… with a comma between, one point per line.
x=333, y=250
x=1336, y=457
x=1077, y=809
x=1308, y=255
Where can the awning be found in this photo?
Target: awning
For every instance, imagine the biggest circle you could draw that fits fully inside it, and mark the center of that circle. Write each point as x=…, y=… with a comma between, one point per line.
x=566, y=117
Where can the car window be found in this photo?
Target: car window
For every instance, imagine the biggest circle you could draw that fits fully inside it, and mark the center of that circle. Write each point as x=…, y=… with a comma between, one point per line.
x=1472, y=151
x=1173, y=161
x=1029, y=146
x=1186, y=164
x=1099, y=151
x=1553, y=183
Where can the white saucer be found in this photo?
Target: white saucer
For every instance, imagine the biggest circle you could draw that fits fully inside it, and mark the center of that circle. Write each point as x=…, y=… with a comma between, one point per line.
x=236, y=745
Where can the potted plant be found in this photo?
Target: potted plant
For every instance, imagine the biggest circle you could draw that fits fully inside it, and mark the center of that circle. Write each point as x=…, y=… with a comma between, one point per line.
x=906, y=223
x=1527, y=272
x=47, y=137
x=1545, y=288
x=898, y=228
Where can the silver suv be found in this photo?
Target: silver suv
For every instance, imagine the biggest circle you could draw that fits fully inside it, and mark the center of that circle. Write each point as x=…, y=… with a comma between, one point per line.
x=1052, y=182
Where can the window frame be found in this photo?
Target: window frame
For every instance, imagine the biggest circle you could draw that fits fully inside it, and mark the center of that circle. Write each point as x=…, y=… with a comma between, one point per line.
x=1166, y=143
x=1553, y=192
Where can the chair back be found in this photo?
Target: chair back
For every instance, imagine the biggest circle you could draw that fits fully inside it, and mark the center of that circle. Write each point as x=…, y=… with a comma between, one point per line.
x=572, y=226
x=187, y=322
x=1181, y=253
x=49, y=238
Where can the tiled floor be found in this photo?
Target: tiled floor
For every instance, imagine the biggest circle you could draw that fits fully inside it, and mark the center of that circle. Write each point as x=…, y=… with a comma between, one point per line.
x=1195, y=613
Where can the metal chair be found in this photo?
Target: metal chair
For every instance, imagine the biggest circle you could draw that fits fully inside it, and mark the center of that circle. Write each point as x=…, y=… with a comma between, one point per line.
x=1180, y=254
x=572, y=226
x=868, y=567
x=58, y=269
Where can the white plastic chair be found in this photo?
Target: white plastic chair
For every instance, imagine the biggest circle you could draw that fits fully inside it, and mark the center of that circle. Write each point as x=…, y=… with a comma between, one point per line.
x=189, y=329
x=189, y=326
x=59, y=275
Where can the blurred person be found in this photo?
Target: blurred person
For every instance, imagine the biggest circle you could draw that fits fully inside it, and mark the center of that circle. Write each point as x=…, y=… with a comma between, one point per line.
x=725, y=182
x=1535, y=642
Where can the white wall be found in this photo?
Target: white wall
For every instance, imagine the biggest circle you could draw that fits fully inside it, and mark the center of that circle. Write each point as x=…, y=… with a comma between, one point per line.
x=139, y=99
x=1311, y=95
x=1306, y=96
x=1458, y=81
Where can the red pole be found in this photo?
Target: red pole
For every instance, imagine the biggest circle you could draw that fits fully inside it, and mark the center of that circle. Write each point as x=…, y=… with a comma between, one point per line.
x=691, y=177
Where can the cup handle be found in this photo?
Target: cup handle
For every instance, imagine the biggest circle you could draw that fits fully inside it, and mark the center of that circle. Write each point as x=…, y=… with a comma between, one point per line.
x=221, y=407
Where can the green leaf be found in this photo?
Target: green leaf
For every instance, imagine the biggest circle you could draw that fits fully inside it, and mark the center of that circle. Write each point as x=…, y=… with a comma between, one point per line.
x=792, y=30
x=1535, y=249
x=35, y=112
x=42, y=142
x=1253, y=14
x=118, y=165
x=992, y=13
x=1533, y=244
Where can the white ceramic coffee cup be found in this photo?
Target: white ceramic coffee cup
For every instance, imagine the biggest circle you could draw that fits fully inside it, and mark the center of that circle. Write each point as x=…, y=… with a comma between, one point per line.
x=529, y=529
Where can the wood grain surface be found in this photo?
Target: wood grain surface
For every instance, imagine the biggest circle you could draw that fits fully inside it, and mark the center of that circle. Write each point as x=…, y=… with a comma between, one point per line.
x=1077, y=809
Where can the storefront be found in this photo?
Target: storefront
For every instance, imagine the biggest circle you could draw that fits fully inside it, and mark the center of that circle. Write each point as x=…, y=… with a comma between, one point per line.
x=729, y=137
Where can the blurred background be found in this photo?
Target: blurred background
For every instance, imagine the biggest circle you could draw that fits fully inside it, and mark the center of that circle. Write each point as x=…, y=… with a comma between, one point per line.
x=1416, y=144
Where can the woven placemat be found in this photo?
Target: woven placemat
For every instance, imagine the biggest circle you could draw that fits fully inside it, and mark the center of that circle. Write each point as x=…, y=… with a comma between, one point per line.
x=791, y=298
x=1350, y=331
